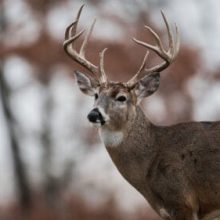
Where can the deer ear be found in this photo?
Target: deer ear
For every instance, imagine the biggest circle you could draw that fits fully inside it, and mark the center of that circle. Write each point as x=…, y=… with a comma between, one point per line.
x=86, y=83
x=147, y=86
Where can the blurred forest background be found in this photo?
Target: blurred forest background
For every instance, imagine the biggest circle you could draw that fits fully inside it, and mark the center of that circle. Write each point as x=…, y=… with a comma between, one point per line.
x=52, y=163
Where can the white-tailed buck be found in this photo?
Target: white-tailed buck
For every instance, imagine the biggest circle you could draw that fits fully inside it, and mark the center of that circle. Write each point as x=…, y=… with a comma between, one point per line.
x=176, y=168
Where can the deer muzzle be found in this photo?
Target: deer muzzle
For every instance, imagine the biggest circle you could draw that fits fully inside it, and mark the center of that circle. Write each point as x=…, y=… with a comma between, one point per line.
x=95, y=116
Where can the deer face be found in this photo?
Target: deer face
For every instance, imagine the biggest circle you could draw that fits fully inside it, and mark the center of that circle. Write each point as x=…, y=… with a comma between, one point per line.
x=115, y=103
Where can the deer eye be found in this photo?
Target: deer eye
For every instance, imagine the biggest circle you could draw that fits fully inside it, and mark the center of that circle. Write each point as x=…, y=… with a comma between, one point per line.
x=96, y=96
x=121, y=98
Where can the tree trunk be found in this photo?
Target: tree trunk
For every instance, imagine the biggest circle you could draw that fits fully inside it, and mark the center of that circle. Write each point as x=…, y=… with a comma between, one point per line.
x=24, y=194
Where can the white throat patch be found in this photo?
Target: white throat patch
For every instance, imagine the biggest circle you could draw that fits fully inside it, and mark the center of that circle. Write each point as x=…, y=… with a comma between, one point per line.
x=111, y=138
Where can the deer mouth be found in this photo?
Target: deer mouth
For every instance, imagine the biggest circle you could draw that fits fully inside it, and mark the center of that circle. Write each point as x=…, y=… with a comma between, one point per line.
x=98, y=124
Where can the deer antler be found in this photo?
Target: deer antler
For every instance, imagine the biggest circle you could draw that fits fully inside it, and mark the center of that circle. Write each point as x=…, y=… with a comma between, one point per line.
x=71, y=36
x=168, y=56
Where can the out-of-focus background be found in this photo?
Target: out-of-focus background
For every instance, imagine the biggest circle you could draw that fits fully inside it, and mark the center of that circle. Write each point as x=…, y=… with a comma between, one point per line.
x=52, y=163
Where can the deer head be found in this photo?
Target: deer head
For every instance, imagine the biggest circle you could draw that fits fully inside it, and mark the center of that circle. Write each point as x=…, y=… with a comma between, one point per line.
x=116, y=102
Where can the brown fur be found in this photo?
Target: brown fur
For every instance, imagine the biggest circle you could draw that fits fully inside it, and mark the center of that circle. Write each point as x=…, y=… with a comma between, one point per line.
x=175, y=167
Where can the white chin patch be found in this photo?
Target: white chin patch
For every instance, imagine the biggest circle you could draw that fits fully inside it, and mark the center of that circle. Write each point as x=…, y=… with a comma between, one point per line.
x=111, y=138
x=96, y=125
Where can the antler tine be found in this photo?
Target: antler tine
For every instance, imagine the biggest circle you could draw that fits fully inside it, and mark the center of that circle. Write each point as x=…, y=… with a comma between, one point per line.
x=69, y=42
x=142, y=67
x=168, y=56
x=72, y=31
x=156, y=37
x=68, y=30
x=177, y=41
x=170, y=36
x=156, y=49
x=103, y=78
x=71, y=36
x=85, y=42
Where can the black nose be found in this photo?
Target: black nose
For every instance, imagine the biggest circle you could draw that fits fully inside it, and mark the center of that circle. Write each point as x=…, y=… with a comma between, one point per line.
x=95, y=116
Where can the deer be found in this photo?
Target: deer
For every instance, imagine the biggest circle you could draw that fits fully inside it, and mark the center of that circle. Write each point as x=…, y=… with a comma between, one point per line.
x=176, y=168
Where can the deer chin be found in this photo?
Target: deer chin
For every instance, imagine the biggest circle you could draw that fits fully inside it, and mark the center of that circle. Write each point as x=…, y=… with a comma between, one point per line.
x=97, y=124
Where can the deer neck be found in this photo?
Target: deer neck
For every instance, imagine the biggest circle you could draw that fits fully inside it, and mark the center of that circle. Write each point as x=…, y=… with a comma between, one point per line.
x=135, y=149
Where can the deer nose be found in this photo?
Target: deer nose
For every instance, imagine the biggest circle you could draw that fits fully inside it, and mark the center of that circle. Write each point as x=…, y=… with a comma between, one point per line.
x=95, y=116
